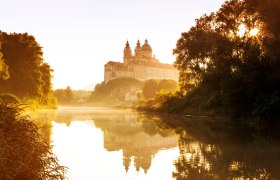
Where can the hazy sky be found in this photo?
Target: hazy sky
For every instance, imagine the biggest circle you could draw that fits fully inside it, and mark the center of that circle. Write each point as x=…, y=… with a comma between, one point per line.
x=79, y=36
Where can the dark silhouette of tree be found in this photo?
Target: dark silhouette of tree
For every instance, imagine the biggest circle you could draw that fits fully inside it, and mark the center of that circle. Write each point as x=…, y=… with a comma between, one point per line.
x=229, y=63
x=30, y=76
x=224, y=65
x=4, y=74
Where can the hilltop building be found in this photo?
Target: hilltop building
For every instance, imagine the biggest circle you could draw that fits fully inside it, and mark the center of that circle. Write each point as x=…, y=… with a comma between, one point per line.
x=142, y=65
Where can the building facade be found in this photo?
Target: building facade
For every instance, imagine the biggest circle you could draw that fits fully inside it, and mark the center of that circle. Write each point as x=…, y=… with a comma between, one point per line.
x=142, y=65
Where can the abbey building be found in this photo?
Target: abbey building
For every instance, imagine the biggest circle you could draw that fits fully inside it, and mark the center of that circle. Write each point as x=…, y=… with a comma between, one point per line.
x=141, y=65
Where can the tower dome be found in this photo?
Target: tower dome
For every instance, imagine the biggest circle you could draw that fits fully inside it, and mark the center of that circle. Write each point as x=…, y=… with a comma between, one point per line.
x=146, y=46
x=147, y=50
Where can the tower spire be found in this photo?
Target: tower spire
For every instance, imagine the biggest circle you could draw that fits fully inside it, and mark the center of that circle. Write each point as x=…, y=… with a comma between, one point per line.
x=138, y=43
x=127, y=53
x=127, y=44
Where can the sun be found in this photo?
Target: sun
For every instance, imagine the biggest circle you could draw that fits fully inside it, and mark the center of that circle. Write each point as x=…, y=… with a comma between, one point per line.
x=243, y=30
x=254, y=32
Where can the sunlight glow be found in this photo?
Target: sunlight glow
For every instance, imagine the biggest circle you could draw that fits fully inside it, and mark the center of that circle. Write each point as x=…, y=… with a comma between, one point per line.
x=79, y=37
x=254, y=32
x=241, y=30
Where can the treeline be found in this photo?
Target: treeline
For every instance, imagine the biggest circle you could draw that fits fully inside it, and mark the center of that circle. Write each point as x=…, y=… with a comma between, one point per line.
x=152, y=87
x=68, y=96
x=229, y=63
x=118, y=89
x=64, y=96
x=114, y=90
x=23, y=71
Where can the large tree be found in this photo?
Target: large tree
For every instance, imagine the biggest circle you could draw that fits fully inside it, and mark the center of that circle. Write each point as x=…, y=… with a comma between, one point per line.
x=4, y=74
x=232, y=56
x=30, y=76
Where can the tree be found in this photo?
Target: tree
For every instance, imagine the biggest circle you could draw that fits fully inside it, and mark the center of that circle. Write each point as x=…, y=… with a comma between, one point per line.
x=30, y=75
x=4, y=74
x=68, y=94
x=225, y=56
x=167, y=85
x=64, y=96
x=150, y=88
x=114, y=90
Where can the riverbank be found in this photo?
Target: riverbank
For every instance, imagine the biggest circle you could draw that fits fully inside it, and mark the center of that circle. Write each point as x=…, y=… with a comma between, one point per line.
x=24, y=153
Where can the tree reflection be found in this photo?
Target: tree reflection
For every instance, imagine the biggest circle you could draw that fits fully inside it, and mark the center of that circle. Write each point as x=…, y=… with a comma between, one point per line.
x=210, y=148
x=222, y=149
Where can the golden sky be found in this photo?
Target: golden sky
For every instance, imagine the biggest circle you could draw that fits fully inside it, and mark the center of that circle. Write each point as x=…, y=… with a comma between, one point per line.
x=79, y=36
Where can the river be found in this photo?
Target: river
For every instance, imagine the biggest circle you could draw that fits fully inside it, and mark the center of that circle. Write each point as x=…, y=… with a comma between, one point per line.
x=105, y=144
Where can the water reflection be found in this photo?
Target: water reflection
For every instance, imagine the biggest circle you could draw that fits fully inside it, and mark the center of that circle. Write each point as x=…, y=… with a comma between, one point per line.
x=222, y=149
x=124, y=132
x=114, y=144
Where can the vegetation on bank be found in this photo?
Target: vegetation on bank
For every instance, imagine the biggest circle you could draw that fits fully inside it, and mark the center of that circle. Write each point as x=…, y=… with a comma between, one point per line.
x=24, y=154
x=68, y=96
x=114, y=90
x=129, y=90
x=229, y=63
x=64, y=96
x=23, y=71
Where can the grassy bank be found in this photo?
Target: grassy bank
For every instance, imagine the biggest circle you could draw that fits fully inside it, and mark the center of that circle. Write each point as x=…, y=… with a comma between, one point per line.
x=24, y=154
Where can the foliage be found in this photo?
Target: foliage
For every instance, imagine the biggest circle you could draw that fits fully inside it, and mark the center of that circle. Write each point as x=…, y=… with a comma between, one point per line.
x=229, y=61
x=9, y=98
x=4, y=72
x=152, y=87
x=163, y=101
x=69, y=96
x=64, y=96
x=23, y=153
x=29, y=76
x=114, y=90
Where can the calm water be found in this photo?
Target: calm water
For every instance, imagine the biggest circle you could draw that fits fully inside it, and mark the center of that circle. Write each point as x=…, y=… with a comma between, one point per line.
x=105, y=144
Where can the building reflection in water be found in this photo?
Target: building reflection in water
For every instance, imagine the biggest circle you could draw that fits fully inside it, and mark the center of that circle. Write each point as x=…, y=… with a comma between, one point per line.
x=125, y=132
x=209, y=149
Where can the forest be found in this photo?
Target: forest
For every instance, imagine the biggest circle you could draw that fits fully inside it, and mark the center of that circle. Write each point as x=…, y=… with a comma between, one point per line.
x=229, y=64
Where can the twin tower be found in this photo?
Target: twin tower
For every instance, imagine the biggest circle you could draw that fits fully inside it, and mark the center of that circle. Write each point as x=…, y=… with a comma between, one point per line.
x=142, y=54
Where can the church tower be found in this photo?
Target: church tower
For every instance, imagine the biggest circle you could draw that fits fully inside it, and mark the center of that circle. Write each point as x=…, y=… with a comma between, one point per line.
x=147, y=51
x=127, y=53
x=138, y=51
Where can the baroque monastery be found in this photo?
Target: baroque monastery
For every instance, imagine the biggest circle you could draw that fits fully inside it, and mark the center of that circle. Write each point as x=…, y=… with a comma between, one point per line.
x=142, y=65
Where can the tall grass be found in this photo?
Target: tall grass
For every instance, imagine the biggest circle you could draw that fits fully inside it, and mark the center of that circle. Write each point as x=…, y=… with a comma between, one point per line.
x=24, y=154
